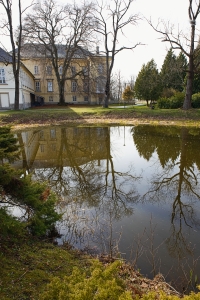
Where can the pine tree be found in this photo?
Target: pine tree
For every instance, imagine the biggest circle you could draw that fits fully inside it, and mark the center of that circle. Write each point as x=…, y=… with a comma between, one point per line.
x=182, y=65
x=167, y=73
x=147, y=84
x=173, y=71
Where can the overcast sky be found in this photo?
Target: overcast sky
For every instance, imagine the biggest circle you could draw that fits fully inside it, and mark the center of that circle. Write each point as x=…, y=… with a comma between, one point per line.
x=130, y=62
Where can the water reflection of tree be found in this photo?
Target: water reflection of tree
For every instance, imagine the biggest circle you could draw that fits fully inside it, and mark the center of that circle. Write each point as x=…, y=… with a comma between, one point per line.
x=83, y=170
x=177, y=179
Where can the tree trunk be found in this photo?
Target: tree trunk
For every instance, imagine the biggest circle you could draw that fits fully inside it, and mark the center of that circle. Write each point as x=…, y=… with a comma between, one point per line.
x=107, y=93
x=16, y=104
x=61, y=93
x=190, y=76
x=188, y=95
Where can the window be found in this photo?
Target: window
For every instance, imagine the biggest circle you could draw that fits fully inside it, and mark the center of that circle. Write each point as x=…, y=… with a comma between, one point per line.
x=53, y=133
x=2, y=76
x=74, y=86
x=41, y=135
x=53, y=147
x=50, y=98
x=36, y=70
x=41, y=148
x=49, y=70
x=100, y=68
x=73, y=69
x=85, y=71
x=100, y=87
x=74, y=98
x=86, y=86
x=37, y=86
x=60, y=70
x=86, y=98
x=49, y=86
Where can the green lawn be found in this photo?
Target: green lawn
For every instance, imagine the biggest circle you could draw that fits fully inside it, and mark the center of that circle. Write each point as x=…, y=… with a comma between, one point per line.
x=114, y=114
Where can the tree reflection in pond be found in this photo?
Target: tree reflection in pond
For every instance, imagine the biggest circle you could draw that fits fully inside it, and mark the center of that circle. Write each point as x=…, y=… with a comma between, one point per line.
x=81, y=168
x=175, y=180
x=114, y=181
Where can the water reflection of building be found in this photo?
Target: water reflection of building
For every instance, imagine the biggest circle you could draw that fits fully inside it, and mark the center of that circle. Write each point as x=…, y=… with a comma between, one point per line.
x=67, y=146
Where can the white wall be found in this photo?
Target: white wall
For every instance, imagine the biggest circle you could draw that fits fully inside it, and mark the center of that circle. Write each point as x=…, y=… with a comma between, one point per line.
x=7, y=90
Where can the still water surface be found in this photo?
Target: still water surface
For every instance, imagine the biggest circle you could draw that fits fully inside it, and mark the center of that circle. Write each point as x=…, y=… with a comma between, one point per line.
x=129, y=190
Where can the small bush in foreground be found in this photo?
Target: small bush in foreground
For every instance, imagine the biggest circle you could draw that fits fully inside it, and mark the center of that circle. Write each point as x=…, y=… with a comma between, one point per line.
x=102, y=283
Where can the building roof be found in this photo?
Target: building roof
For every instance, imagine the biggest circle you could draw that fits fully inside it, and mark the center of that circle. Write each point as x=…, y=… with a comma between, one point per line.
x=5, y=57
x=39, y=51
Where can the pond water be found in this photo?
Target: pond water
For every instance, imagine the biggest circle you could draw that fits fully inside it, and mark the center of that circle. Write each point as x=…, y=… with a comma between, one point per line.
x=127, y=191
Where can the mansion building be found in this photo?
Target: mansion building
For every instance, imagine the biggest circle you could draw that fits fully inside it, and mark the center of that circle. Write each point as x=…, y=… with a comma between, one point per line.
x=83, y=83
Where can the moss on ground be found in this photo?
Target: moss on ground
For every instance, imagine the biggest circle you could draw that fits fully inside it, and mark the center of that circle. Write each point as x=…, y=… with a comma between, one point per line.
x=28, y=265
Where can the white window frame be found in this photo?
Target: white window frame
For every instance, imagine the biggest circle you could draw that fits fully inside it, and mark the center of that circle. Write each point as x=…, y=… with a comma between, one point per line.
x=53, y=134
x=85, y=71
x=41, y=135
x=37, y=86
x=99, y=87
x=74, y=99
x=49, y=85
x=100, y=68
x=49, y=70
x=2, y=76
x=60, y=70
x=85, y=98
x=74, y=86
x=85, y=86
x=73, y=70
x=36, y=70
x=50, y=98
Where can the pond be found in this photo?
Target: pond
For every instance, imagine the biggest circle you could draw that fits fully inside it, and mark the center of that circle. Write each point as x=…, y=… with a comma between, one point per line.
x=127, y=191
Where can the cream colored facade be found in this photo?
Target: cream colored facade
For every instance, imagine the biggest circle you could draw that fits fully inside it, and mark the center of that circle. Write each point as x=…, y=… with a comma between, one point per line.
x=87, y=87
x=63, y=147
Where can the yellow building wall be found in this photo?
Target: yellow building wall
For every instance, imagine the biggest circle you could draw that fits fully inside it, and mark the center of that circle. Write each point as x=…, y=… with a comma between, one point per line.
x=38, y=67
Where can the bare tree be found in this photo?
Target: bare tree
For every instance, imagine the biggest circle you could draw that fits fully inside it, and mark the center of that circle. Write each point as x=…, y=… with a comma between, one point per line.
x=61, y=32
x=110, y=25
x=188, y=48
x=116, y=86
x=8, y=26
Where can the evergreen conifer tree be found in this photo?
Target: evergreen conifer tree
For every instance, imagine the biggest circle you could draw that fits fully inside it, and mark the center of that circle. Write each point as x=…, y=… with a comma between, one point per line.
x=147, y=84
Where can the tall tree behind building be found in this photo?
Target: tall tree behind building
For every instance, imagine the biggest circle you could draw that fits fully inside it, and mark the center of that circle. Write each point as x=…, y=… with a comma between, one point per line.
x=57, y=28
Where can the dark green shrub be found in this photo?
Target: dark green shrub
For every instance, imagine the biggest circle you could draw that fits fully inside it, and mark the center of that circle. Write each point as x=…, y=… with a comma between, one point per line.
x=10, y=226
x=163, y=103
x=34, y=198
x=196, y=100
x=175, y=101
x=9, y=149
